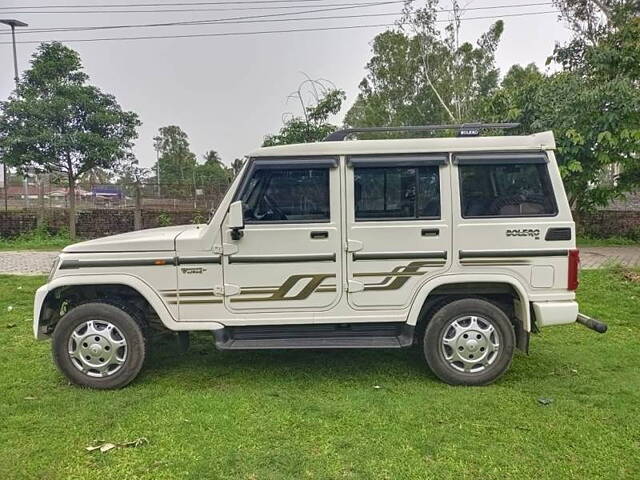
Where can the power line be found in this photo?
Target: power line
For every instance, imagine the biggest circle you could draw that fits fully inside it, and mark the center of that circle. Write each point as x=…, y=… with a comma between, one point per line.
x=166, y=4
x=248, y=21
x=220, y=20
x=179, y=10
x=267, y=32
x=229, y=19
x=276, y=7
x=174, y=10
x=233, y=20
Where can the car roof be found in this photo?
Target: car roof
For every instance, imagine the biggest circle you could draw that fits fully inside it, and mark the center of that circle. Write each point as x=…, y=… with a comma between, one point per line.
x=535, y=142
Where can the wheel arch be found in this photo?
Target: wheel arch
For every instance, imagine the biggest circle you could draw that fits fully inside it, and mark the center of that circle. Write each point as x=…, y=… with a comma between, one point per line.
x=464, y=285
x=47, y=297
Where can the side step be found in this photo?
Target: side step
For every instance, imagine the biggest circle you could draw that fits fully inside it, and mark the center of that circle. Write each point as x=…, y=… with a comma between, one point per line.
x=353, y=335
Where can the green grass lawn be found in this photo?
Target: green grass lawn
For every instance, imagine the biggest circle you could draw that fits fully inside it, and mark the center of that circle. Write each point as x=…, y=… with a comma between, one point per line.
x=320, y=415
x=37, y=240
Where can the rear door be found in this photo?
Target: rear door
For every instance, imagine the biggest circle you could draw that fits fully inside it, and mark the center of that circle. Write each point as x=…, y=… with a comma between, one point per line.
x=509, y=218
x=289, y=255
x=397, y=226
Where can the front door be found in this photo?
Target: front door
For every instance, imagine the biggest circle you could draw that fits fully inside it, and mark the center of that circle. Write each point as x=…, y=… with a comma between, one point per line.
x=398, y=227
x=288, y=257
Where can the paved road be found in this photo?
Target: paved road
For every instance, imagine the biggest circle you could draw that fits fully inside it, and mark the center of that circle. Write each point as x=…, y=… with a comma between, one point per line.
x=26, y=262
x=38, y=263
x=598, y=257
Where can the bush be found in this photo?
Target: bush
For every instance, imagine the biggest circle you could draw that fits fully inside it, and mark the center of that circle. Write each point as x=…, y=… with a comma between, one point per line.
x=164, y=220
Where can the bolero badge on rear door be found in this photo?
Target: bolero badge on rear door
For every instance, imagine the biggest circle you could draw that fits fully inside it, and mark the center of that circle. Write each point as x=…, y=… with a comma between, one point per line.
x=524, y=232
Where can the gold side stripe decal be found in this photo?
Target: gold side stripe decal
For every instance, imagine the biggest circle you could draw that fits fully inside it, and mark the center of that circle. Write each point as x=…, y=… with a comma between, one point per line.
x=392, y=280
x=192, y=302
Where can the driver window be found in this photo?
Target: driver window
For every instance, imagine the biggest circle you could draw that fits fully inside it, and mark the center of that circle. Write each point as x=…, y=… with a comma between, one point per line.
x=287, y=195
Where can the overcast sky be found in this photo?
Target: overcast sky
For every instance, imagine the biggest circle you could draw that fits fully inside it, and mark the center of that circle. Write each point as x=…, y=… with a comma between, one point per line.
x=227, y=92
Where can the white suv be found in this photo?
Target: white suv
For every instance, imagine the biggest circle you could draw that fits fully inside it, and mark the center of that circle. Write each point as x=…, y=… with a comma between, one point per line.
x=462, y=245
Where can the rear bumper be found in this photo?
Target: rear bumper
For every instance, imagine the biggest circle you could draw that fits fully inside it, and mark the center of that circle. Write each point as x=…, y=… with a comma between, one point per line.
x=548, y=314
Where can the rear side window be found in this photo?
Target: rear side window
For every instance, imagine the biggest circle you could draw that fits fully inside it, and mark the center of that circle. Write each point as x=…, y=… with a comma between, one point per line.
x=387, y=193
x=287, y=195
x=506, y=190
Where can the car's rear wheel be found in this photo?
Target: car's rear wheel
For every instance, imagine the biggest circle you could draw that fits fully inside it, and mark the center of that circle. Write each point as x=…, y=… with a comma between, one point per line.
x=469, y=342
x=99, y=345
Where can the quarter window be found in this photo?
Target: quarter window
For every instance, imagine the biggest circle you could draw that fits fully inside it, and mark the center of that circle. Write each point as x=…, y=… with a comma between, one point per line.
x=287, y=195
x=506, y=190
x=397, y=193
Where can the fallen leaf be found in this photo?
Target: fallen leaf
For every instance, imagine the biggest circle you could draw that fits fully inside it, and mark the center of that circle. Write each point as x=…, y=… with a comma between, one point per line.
x=138, y=442
x=545, y=401
x=631, y=276
x=104, y=447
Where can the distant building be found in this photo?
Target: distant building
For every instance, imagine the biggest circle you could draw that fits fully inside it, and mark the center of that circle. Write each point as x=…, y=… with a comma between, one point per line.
x=112, y=192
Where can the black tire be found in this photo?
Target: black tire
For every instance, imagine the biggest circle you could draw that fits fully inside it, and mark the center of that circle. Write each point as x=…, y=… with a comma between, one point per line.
x=127, y=325
x=450, y=371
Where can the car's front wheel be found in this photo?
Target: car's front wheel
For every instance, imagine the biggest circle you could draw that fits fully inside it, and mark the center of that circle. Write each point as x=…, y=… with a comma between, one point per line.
x=469, y=342
x=99, y=345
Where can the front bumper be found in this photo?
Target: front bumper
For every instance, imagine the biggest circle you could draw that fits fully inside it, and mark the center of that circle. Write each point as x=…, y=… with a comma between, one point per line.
x=548, y=314
x=38, y=301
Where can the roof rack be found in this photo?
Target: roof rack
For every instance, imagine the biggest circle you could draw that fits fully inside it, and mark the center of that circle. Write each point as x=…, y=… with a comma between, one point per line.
x=464, y=129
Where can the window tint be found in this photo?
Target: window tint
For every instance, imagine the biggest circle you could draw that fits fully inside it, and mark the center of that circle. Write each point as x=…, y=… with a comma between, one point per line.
x=512, y=190
x=287, y=195
x=397, y=193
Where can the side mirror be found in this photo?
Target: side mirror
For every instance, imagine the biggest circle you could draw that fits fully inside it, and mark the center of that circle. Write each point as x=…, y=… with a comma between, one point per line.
x=236, y=220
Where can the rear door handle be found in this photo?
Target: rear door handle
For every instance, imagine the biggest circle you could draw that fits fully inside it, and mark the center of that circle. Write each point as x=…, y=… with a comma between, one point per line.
x=316, y=235
x=430, y=232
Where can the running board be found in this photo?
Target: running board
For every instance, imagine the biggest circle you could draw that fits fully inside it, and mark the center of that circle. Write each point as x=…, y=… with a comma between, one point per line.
x=357, y=335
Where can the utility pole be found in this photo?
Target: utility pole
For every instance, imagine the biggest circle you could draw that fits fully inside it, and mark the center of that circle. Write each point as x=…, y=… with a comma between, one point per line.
x=158, y=167
x=13, y=24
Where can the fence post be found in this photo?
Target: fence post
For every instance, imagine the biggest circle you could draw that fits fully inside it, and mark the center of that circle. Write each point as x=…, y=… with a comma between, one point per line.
x=41, y=205
x=137, y=209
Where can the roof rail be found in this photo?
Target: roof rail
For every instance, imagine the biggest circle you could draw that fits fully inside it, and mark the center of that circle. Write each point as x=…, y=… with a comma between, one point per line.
x=464, y=129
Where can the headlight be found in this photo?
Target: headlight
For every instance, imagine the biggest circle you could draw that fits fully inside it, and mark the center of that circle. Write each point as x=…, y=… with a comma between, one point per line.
x=54, y=267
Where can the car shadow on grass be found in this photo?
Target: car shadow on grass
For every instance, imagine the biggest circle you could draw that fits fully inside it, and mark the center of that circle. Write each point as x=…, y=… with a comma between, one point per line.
x=202, y=360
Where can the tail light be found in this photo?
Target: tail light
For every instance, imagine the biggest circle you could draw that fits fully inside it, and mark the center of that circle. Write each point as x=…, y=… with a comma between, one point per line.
x=574, y=265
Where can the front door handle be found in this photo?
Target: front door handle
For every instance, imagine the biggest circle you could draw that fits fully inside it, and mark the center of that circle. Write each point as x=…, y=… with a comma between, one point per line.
x=317, y=234
x=430, y=232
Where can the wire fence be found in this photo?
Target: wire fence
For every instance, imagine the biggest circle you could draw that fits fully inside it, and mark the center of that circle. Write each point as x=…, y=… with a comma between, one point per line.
x=148, y=196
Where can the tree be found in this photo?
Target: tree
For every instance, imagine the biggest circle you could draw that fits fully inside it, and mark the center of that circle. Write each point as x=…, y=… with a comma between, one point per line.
x=132, y=176
x=593, y=107
x=325, y=100
x=130, y=173
x=177, y=161
x=56, y=122
x=236, y=166
x=590, y=21
x=419, y=76
x=96, y=176
x=212, y=175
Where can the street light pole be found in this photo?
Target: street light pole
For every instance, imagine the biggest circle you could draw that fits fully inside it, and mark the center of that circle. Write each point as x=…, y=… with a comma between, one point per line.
x=13, y=24
x=158, y=168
